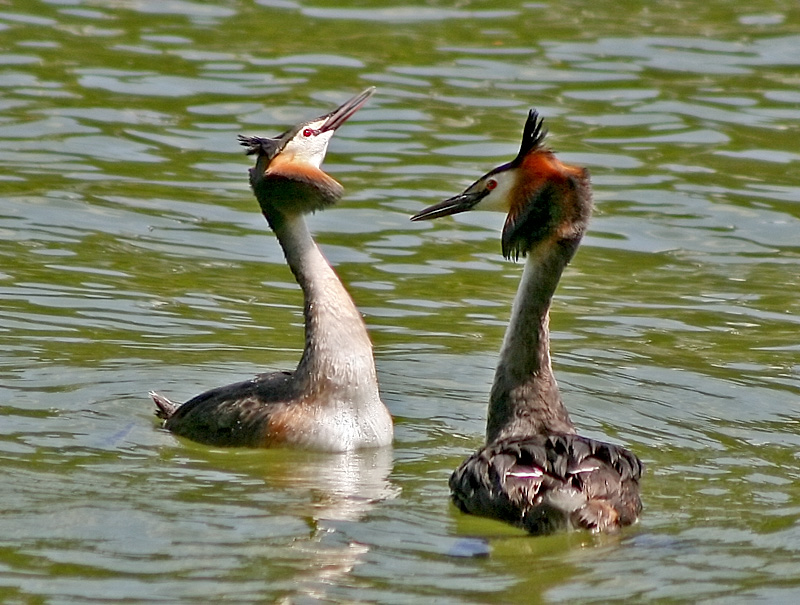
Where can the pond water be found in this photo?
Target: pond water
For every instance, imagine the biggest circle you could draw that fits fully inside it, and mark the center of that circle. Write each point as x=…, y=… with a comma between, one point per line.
x=133, y=257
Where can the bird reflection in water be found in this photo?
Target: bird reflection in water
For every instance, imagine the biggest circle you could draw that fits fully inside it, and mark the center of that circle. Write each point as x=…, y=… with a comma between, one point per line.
x=344, y=489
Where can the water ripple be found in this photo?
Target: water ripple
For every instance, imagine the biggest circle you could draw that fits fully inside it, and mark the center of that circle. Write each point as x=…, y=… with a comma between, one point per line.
x=134, y=257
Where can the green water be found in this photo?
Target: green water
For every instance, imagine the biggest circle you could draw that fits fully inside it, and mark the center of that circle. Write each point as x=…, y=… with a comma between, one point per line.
x=133, y=257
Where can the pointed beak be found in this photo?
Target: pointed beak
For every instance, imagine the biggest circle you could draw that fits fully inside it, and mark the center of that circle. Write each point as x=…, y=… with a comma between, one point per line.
x=459, y=203
x=342, y=113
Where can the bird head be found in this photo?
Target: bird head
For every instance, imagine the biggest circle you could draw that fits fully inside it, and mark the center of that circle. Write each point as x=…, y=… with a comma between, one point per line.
x=546, y=201
x=287, y=177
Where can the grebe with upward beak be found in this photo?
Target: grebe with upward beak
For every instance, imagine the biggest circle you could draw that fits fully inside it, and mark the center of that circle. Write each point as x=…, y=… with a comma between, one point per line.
x=535, y=471
x=331, y=401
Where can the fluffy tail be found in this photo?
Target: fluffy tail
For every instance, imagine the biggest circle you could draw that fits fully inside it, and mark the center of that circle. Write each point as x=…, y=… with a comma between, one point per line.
x=165, y=407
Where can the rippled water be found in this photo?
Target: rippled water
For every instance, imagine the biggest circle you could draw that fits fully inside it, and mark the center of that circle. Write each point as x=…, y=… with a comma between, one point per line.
x=133, y=257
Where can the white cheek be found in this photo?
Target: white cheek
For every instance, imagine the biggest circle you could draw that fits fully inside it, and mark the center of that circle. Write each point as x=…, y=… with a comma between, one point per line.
x=499, y=198
x=311, y=149
x=318, y=147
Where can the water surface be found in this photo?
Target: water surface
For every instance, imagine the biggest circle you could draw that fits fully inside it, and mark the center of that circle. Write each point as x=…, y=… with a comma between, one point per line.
x=133, y=257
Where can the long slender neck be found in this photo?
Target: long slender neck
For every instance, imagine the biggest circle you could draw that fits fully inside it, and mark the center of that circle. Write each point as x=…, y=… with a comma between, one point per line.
x=337, y=358
x=525, y=399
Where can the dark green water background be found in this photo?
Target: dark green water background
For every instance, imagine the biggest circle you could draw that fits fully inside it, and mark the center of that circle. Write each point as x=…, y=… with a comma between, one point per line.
x=133, y=257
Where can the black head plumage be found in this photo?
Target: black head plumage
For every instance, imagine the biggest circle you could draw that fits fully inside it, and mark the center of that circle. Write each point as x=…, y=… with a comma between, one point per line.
x=533, y=136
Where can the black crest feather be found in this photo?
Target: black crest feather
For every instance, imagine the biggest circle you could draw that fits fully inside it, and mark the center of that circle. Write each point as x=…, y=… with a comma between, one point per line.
x=261, y=146
x=533, y=135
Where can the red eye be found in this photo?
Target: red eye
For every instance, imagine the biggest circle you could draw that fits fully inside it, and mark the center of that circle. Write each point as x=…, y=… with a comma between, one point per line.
x=308, y=132
x=491, y=184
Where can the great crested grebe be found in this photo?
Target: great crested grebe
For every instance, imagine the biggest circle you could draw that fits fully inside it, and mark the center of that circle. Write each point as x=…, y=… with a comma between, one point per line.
x=535, y=471
x=331, y=401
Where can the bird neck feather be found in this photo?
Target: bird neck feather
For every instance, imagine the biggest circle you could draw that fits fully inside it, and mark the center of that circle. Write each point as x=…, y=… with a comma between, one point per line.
x=525, y=398
x=338, y=352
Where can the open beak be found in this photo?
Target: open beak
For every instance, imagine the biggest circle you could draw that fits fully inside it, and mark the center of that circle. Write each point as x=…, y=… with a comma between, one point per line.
x=459, y=203
x=342, y=113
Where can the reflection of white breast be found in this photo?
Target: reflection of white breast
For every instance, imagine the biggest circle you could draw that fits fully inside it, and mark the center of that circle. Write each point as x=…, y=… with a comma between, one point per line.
x=346, y=485
x=355, y=482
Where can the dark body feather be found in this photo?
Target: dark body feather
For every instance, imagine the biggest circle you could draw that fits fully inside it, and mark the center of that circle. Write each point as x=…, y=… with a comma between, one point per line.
x=235, y=415
x=545, y=483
